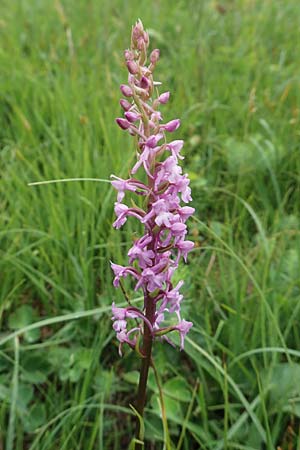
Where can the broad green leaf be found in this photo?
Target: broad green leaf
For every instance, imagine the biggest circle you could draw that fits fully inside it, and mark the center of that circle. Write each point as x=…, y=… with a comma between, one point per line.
x=283, y=381
x=84, y=357
x=35, y=417
x=25, y=395
x=4, y=393
x=292, y=408
x=178, y=389
x=24, y=315
x=36, y=367
x=172, y=406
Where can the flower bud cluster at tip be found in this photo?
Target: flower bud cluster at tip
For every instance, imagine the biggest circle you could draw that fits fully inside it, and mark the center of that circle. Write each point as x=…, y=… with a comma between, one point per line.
x=154, y=257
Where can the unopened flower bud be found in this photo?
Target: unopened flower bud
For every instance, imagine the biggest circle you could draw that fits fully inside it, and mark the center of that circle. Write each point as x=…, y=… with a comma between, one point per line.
x=172, y=125
x=141, y=43
x=137, y=30
x=128, y=54
x=132, y=67
x=164, y=97
x=146, y=37
x=123, y=123
x=126, y=90
x=132, y=116
x=154, y=56
x=125, y=104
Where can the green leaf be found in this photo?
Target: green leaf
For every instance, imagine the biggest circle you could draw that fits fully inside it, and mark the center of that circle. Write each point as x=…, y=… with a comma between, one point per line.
x=283, y=382
x=25, y=395
x=105, y=382
x=173, y=408
x=292, y=408
x=35, y=417
x=74, y=373
x=4, y=393
x=84, y=357
x=178, y=389
x=131, y=377
x=36, y=367
x=70, y=362
x=4, y=364
x=59, y=357
x=24, y=315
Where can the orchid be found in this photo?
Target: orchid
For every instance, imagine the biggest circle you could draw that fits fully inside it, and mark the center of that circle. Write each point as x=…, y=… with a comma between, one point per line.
x=154, y=257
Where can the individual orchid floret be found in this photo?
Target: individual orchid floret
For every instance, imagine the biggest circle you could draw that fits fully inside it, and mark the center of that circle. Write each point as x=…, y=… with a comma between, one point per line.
x=171, y=126
x=175, y=148
x=132, y=67
x=132, y=116
x=140, y=252
x=126, y=90
x=151, y=280
x=154, y=256
x=122, y=272
x=122, y=186
x=131, y=184
x=123, y=123
x=122, y=212
x=183, y=327
x=125, y=104
x=184, y=248
x=154, y=56
x=120, y=315
x=164, y=98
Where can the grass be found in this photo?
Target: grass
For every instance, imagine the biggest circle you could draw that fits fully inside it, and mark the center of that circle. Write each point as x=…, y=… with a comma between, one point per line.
x=233, y=71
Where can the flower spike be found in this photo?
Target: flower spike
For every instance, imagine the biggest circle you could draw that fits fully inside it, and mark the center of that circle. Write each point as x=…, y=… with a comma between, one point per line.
x=154, y=257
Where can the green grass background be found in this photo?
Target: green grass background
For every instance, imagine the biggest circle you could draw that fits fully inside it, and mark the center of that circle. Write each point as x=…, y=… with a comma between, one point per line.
x=233, y=70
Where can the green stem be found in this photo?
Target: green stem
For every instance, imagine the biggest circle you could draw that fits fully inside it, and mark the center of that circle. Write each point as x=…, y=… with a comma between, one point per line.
x=146, y=361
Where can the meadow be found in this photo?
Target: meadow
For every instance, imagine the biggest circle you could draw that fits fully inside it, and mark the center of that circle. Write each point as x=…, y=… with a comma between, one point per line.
x=233, y=70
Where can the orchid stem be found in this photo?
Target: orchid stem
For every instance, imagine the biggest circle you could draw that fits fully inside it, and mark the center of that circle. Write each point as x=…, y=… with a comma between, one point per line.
x=146, y=361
